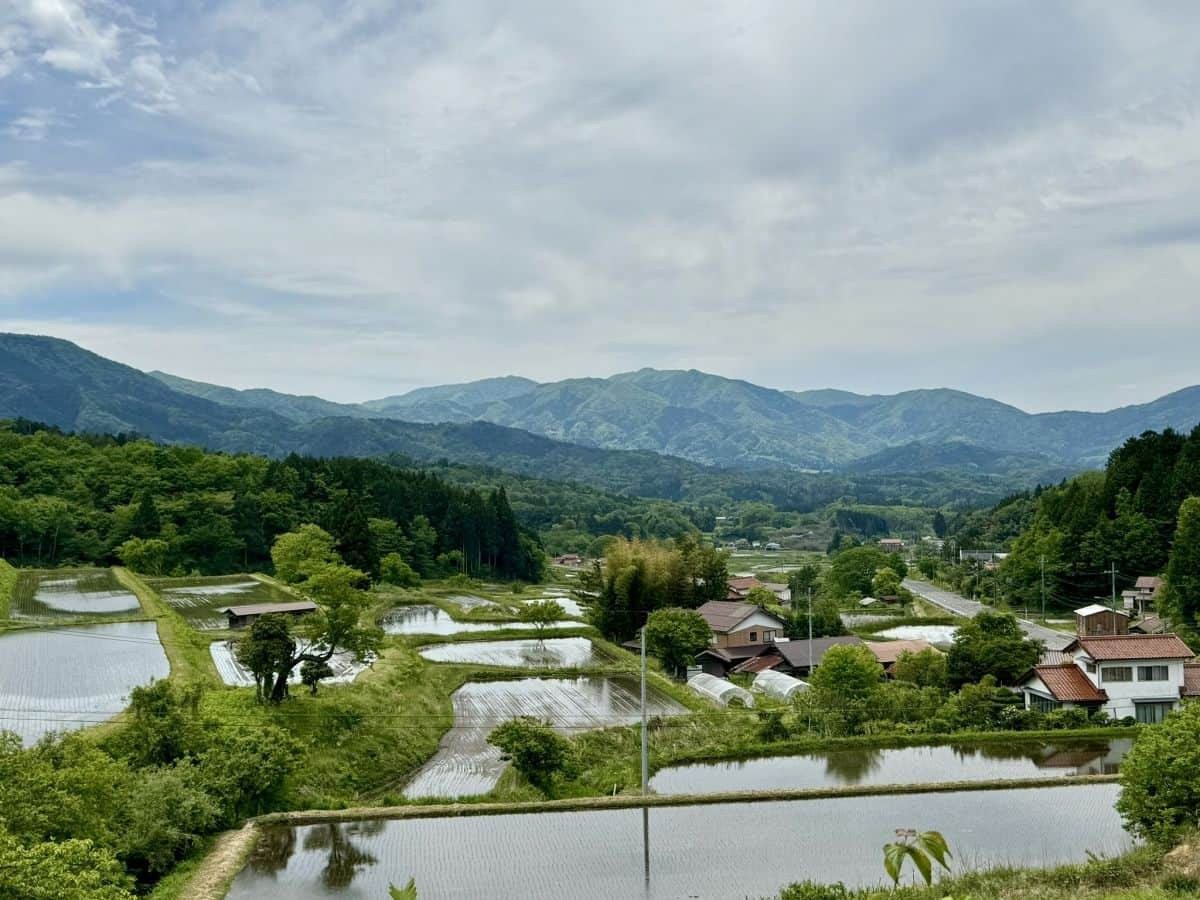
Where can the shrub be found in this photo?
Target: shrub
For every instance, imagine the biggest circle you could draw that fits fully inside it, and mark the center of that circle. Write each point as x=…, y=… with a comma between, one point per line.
x=770, y=725
x=394, y=570
x=1160, y=793
x=536, y=750
x=1067, y=718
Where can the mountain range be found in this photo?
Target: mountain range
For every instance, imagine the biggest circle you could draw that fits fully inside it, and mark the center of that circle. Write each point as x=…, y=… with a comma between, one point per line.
x=706, y=420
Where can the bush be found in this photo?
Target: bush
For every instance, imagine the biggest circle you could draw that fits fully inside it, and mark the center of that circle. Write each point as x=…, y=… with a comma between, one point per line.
x=536, y=750
x=394, y=570
x=770, y=725
x=1067, y=718
x=1160, y=793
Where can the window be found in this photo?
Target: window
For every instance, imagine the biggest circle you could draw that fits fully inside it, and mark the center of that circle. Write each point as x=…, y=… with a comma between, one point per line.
x=1043, y=704
x=1152, y=673
x=1091, y=668
x=1153, y=713
x=754, y=637
x=1110, y=674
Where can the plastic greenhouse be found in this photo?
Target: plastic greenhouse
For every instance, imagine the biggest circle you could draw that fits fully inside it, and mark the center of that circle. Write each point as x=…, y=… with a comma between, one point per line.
x=779, y=685
x=726, y=693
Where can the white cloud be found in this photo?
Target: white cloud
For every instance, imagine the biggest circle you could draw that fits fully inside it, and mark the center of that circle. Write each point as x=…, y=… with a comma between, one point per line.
x=778, y=191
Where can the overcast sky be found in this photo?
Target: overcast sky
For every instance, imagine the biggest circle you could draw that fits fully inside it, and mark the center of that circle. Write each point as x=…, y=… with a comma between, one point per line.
x=354, y=199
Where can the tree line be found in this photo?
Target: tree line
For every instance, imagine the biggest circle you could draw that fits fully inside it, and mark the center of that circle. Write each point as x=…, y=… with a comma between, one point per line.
x=72, y=499
x=1136, y=515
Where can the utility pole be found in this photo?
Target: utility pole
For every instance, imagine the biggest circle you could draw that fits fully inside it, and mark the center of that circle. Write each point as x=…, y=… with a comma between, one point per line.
x=645, y=769
x=1043, y=588
x=810, y=639
x=1113, y=572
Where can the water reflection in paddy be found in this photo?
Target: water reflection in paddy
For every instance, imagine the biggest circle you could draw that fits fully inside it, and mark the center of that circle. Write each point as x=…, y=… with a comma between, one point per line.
x=526, y=654
x=906, y=765
x=719, y=851
x=429, y=619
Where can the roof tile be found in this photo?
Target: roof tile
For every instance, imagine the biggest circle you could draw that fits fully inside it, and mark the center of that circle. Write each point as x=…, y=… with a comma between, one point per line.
x=1068, y=684
x=1133, y=646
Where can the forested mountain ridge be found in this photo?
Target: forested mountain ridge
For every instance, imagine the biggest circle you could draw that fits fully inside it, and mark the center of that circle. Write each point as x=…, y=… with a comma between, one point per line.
x=706, y=419
x=731, y=423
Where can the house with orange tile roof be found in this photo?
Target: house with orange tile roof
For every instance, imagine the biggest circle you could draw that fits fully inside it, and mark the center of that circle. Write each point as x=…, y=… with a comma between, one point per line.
x=1141, y=676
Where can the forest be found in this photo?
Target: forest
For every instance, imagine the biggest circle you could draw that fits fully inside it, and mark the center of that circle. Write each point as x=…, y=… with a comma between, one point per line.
x=1124, y=516
x=67, y=499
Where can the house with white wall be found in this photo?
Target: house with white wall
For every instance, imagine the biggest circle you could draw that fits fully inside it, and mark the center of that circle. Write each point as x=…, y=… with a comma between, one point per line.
x=1143, y=676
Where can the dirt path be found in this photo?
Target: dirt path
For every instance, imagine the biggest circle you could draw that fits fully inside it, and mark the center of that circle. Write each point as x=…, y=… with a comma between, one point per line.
x=212, y=879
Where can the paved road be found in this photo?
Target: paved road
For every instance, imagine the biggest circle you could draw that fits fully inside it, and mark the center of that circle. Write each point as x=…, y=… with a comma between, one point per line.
x=961, y=606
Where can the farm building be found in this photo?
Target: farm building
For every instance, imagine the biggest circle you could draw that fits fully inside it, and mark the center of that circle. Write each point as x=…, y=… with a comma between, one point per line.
x=887, y=652
x=241, y=616
x=720, y=691
x=1096, y=620
x=778, y=685
x=792, y=657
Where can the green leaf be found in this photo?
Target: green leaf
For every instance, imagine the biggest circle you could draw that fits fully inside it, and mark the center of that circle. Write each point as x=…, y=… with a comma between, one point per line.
x=408, y=892
x=935, y=845
x=893, y=860
x=921, y=861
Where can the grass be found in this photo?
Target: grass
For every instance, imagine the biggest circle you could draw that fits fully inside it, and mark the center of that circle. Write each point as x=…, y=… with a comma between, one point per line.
x=1144, y=873
x=8, y=585
x=186, y=649
x=208, y=873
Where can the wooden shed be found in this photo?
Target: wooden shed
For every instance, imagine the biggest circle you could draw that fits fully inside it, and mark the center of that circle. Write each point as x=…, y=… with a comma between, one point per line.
x=241, y=616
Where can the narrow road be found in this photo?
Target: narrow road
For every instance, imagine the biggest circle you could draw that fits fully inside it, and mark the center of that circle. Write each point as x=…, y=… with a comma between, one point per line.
x=961, y=606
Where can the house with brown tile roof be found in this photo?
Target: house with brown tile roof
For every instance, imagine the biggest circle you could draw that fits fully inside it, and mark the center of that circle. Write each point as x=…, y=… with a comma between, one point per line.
x=1141, y=676
x=887, y=652
x=734, y=623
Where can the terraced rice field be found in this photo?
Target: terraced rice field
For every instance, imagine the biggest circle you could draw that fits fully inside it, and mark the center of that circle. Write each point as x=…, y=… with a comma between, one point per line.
x=61, y=679
x=469, y=601
x=558, y=653
x=199, y=599
x=935, y=634
x=426, y=618
x=730, y=850
x=570, y=606
x=905, y=765
x=232, y=672
x=68, y=593
x=466, y=764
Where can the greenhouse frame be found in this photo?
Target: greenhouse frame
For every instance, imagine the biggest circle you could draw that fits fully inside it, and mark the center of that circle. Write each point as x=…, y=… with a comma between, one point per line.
x=776, y=684
x=720, y=691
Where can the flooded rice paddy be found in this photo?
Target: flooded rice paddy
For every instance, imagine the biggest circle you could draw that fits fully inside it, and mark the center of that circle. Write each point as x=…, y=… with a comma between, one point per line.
x=345, y=667
x=199, y=599
x=720, y=851
x=64, y=593
x=569, y=606
x=425, y=618
x=469, y=601
x=60, y=679
x=907, y=765
x=560, y=653
x=935, y=634
x=466, y=764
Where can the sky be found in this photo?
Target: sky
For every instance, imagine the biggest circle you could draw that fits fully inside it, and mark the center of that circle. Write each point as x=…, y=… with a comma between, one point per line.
x=354, y=199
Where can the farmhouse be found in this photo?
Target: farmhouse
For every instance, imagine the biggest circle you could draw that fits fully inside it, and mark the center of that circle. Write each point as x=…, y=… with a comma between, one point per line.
x=735, y=624
x=1143, y=676
x=792, y=657
x=887, y=652
x=739, y=588
x=241, y=616
x=891, y=545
